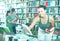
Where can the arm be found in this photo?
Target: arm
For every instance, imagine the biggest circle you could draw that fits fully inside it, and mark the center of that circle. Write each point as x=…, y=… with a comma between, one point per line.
x=14, y=20
x=52, y=23
x=11, y=21
x=34, y=22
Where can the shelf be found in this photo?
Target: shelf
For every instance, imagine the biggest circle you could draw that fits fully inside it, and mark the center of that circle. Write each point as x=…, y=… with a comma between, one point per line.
x=20, y=14
x=22, y=19
x=31, y=7
x=21, y=8
x=27, y=12
x=57, y=28
x=20, y=2
x=31, y=0
x=57, y=21
x=32, y=12
x=53, y=6
x=53, y=14
x=37, y=12
x=16, y=3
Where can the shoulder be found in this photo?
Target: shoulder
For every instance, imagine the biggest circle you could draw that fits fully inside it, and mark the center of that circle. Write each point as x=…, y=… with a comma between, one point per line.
x=8, y=17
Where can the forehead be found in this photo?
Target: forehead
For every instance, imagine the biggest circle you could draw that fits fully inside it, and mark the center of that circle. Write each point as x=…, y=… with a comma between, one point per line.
x=41, y=8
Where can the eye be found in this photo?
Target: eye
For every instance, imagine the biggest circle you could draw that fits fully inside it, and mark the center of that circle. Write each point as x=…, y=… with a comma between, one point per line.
x=41, y=11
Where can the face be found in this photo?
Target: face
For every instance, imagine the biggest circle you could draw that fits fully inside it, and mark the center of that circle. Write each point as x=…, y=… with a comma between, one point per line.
x=13, y=13
x=9, y=14
x=41, y=11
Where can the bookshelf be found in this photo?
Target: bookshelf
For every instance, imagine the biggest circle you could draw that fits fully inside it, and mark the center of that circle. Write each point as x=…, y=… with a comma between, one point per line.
x=2, y=14
x=25, y=7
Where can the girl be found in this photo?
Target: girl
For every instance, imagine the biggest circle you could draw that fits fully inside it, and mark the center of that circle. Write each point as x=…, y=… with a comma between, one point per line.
x=46, y=24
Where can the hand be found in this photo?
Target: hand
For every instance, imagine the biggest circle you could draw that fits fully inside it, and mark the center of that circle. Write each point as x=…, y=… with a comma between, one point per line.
x=18, y=17
x=41, y=16
x=47, y=31
x=25, y=30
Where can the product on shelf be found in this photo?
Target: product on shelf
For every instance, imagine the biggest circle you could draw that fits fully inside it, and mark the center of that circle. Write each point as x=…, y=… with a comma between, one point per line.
x=56, y=17
x=30, y=7
x=56, y=2
x=46, y=3
x=52, y=3
x=52, y=10
x=24, y=10
x=27, y=10
x=56, y=10
x=42, y=3
x=13, y=1
x=47, y=10
x=19, y=10
x=34, y=10
x=36, y=3
x=59, y=9
x=59, y=2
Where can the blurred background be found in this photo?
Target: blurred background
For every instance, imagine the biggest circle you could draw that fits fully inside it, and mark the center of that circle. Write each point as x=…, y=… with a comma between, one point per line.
x=26, y=10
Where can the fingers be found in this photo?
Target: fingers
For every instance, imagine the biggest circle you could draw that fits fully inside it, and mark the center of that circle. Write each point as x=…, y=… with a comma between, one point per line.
x=47, y=31
x=41, y=16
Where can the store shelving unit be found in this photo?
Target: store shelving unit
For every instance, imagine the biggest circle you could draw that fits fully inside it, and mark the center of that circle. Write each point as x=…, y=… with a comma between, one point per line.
x=2, y=14
x=27, y=9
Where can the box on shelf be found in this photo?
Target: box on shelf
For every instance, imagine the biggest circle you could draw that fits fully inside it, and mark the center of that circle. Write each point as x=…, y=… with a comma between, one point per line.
x=34, y=10
x=47, y=10
x=19, y=10
x=52, y=3
x=36, y=3
x=56, y=10
x=24, y=10
x=42, y=3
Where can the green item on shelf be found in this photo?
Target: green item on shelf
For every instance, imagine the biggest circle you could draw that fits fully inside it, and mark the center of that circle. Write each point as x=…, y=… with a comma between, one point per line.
x=4, y=30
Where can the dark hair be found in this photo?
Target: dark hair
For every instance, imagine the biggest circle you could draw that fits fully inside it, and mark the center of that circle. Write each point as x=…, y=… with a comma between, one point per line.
x=7, y=13
x=42, y=6
x=12, y=10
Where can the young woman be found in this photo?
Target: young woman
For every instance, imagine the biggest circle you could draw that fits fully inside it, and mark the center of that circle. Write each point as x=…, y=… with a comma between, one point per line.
x=46, y=24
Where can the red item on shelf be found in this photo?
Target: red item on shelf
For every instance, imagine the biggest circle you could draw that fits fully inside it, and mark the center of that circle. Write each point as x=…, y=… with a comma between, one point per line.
x=46, y=3
x=55, y=33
